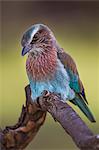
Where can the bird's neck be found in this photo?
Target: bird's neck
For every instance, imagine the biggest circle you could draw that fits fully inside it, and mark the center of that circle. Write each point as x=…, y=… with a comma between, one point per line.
x=42, y=66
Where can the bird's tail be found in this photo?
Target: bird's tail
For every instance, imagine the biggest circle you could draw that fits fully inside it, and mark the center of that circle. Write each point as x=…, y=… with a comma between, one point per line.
x=83, y=107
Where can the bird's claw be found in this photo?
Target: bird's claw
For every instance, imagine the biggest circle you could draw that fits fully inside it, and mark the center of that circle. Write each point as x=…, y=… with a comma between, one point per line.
x=46, y=93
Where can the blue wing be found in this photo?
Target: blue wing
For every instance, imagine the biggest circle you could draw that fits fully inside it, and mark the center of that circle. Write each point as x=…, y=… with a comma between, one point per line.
x=75, y=82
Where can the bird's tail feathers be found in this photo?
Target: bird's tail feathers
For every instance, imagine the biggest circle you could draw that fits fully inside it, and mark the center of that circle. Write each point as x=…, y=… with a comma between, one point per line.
x=83, y=107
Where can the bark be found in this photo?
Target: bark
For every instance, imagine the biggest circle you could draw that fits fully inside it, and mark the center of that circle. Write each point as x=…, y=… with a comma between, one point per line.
x=33, y=116
x=70, y=121
x=17, y=137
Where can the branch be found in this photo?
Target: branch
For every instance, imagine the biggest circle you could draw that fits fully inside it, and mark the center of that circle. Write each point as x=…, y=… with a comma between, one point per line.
x=19, y=136
x=70, y=121
x=32, y=117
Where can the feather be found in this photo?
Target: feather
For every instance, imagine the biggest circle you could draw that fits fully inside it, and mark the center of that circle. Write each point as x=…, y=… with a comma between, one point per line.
x=75, y=84
x=70, y=66
x=43, y=66
x=58, y=84
x=83, y=107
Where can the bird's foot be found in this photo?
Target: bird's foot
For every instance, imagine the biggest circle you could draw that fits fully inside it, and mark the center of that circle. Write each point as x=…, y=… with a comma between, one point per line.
x=46, y=93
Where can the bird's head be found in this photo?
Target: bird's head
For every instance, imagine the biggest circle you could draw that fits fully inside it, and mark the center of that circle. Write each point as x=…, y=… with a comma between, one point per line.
x=36, y=39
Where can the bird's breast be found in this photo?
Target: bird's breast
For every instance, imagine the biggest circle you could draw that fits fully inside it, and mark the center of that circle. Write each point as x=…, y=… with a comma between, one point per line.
x=42, y=67
x=58, y=84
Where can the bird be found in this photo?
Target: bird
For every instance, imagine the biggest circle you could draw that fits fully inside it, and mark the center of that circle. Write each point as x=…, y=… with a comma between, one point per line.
x=50, y=68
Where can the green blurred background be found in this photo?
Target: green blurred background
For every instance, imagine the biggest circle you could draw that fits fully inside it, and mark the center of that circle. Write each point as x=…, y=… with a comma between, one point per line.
x=76, y=27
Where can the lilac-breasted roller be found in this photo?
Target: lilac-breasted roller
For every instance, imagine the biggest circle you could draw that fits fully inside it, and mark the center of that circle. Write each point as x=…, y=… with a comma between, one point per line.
x=50, y=68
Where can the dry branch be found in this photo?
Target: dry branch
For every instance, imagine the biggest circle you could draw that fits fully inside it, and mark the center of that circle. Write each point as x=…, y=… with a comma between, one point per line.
x=70, y=121
x=19, y=136
x=33, y=116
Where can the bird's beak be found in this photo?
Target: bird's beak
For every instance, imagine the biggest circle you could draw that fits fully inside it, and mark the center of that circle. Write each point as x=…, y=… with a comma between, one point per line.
x=25, y=50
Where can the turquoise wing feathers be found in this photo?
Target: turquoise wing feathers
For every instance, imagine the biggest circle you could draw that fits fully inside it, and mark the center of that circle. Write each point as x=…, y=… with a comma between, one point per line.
x=70, y=66
x=75, y=84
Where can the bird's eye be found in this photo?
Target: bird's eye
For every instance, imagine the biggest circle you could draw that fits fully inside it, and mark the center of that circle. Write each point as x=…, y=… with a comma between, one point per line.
x=35, y=38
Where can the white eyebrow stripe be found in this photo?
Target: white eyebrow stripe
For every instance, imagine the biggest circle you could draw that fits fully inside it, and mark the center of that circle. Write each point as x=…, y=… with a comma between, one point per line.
x=34, y=32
